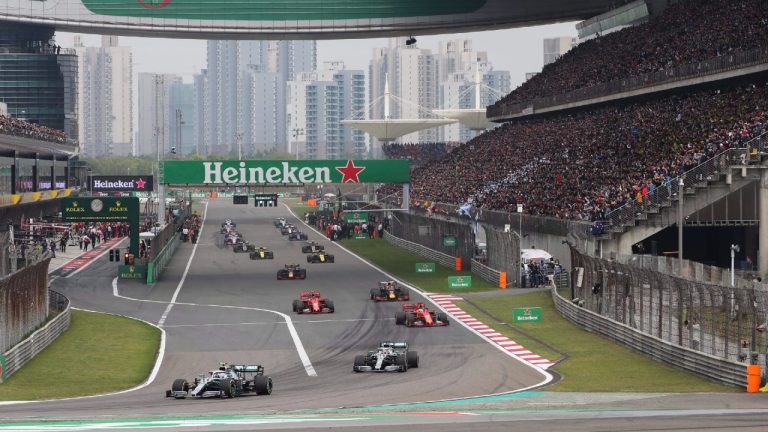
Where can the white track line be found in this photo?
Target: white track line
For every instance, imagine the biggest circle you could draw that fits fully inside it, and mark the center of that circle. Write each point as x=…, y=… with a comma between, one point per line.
x=186, y=271
x=547, y=376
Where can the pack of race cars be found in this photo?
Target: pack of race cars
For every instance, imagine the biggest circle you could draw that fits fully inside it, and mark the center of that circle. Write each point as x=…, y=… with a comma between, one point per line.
x=230, y=381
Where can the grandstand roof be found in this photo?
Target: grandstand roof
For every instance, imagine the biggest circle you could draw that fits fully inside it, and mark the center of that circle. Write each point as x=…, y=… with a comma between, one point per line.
x=308, y=19
x=391, y=129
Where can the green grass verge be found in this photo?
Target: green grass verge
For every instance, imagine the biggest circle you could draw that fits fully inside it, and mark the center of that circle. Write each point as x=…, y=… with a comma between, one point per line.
x=402, y=264
x=99, y=353
x=595, y=363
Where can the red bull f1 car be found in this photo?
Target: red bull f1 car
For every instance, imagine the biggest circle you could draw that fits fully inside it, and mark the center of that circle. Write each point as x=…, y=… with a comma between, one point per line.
x=312, y=247
x=312, y=302
x=228, y=381
x=291, y=271
x=419, y=315
x=390, y=291
x=320, y=257
x=388, y=357
x=262, y=253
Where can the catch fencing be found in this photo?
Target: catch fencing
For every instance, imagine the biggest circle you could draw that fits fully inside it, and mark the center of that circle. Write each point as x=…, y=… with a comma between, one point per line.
x=438, y=257
x=503, y=253
x=448, y=237
x=23, y=352
x=688, y=269
x=23, y=302
x=720, y=321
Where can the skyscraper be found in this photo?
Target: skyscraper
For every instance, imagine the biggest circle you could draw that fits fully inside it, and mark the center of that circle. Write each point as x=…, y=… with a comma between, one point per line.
x=317, y=102
x=155, y=119
x=105, y=98
x=238, y=73
x=555, y=47
x=181, y=113
x=412, y=76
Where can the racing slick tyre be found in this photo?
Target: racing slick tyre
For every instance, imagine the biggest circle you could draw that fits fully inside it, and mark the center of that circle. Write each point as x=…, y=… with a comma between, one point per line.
x=359, y=361
x=400, y=318
x=180, y=385
x=329, y=304
x=373, y=293
x=443, y=317
x=403, y=363
x=302, y=275
x=296, y=305
x=412, y=358
x=309, y=259
x=228, y=386
x=262, y=385
x=331, y=259
x=409, y=321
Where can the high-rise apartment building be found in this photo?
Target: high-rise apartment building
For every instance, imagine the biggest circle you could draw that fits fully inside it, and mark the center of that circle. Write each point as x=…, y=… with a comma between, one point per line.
x=317, y=102
x=412, y=73
x=555, y=47
x=155, y=119
x=181, y=113
x=238, y=74
x=105, y=98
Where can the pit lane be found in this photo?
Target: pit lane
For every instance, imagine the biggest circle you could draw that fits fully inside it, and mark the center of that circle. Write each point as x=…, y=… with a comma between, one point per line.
x=454, y=362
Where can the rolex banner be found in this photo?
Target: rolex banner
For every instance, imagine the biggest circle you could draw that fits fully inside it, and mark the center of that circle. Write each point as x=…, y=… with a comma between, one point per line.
x=284, y=172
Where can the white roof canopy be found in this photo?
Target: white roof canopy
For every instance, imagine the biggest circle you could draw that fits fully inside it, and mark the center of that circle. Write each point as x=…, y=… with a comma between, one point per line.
x=391, y=129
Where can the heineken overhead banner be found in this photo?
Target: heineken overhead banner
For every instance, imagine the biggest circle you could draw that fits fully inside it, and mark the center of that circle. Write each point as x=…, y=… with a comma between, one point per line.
x=284, y=172
x=121, y=183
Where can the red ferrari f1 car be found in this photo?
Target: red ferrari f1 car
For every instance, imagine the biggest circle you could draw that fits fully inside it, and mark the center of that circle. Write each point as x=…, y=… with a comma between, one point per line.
x=419, y=315
x=312, y=302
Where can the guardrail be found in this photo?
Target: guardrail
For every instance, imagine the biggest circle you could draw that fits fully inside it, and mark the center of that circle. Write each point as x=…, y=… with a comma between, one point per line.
x=717, y=369
x=439, y=257
x=485, y=272
x=712, y=66
x=13, y=359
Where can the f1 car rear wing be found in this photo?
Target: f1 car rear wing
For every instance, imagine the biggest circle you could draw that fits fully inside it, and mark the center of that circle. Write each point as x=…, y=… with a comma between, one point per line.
x=309, y=294
x=390, y=344
x=257, y=369
x=414, y=306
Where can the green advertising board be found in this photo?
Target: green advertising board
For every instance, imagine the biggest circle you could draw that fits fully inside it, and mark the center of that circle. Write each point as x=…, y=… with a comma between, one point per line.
x=283, y=172
x=361, y=236
x=104, y=209
x=425, y=267
x=459, y=281
x=355, y=216
x=281, y=10
x=527, y=314
x=2, y=368
x=449, y=241
x=137, y=271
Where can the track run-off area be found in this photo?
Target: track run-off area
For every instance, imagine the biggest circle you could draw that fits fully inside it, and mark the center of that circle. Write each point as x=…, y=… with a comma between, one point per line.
x=215, y=306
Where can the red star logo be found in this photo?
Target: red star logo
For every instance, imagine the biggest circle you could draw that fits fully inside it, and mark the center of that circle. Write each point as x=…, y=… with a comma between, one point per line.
x=154, y=4
x=140, y=184
x=527, y=312
x=350, y=172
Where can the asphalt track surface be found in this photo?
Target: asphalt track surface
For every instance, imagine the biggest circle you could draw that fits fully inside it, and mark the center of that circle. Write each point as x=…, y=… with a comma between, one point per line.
x=455, y=363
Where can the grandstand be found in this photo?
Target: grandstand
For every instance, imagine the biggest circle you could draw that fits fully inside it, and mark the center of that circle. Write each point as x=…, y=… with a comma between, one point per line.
x=611, y=161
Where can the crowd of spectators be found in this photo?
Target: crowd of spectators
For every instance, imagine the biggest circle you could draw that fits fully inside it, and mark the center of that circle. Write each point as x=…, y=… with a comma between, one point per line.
x=688, y=32
x=418, y=154
x=335, y=228
x=20, y=128
x=584, y=165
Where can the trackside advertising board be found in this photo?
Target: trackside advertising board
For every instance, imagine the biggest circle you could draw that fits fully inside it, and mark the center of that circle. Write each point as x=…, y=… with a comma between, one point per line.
x=459, y=282
x=284, y=172
x=425, y=267
x=355, y=216
x=528, y=314
x=122, y=183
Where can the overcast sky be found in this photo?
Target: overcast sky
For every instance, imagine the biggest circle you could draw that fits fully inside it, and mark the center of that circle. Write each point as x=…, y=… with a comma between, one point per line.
x=517, y=50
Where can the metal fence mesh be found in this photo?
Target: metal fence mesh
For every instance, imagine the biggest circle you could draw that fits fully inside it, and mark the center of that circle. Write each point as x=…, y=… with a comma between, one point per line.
x=431, y=232
x=23, y=303
x=503, y=253
x=722, y=321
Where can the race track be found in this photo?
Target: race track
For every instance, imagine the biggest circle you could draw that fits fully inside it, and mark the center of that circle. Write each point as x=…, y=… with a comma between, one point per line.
x=229, y=308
